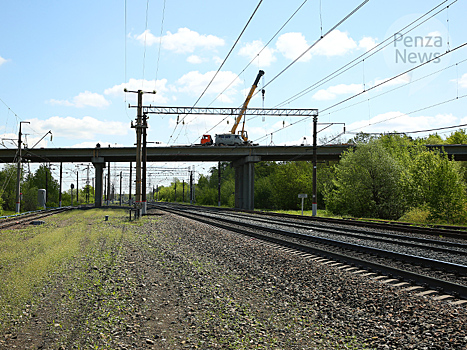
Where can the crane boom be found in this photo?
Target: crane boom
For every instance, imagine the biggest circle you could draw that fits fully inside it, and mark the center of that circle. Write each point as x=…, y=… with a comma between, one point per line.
x=245, y=106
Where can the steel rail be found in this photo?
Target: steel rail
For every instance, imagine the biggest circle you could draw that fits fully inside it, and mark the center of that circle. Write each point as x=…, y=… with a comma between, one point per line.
x=432, y=263
x=387, y=238
x=454, y=289
x=16, y=220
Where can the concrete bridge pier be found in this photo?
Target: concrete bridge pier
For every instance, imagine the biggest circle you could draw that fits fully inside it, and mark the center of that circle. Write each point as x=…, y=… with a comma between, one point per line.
x=99, y=165
x=245, y=182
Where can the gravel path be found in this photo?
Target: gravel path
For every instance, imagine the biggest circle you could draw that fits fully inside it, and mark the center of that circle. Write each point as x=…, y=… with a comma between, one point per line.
x=179, y=284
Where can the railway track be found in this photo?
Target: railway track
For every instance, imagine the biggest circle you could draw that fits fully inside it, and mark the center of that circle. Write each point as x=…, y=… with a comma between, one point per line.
x=440, y=274
x=27, y=218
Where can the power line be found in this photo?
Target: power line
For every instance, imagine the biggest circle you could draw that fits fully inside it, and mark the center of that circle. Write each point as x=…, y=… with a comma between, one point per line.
x=415, y=132
x=225, y=59
x=317, y=41
x=399, y=87
x=145, y=35
x=308, y=49
x=264, y=47
x=371, y=88
x=358, y=60
x=395, y=77
x=412, y=112
x=160, y=42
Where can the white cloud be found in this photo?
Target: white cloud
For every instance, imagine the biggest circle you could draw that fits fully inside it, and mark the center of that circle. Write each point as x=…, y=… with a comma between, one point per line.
x=139, y=84
x=2, y=60
x=403, y=79
x=250, y=50
x=400, y=122
x=194, y=59
x=336, y=43
x=341, y=89
x=367, y=43
x=462, y=81
x=83, y=99
x=183, y=41
x=195, y=82
x=74, y=128
x=147, y=37
x=217, y=60
x=292, y=45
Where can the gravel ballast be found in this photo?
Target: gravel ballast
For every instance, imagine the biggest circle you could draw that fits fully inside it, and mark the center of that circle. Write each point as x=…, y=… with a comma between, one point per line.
x=183, y=284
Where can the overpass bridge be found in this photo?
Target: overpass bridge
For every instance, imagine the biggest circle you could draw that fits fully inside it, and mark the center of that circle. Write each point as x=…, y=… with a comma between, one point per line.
x=241, y=158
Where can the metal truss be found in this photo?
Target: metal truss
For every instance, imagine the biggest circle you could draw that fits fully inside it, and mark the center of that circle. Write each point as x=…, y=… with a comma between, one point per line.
x=297, y=112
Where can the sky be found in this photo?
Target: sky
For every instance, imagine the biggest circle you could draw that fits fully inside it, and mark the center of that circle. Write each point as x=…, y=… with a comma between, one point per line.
x=64, y=65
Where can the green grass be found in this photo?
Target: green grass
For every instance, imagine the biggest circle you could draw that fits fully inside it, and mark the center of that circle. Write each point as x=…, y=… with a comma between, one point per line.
x=30, y=256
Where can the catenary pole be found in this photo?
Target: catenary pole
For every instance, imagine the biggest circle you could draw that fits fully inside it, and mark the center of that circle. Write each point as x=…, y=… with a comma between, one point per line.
x=18, y=171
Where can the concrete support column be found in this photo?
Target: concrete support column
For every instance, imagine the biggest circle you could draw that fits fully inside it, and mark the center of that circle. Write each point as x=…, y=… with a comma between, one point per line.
x=245, y=182
x=99, y=165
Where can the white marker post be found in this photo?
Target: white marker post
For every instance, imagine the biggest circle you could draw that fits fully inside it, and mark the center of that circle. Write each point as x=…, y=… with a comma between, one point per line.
x=302, y=196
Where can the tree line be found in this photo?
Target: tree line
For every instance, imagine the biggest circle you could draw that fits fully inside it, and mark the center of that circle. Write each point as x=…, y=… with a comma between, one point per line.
x=31, y=182
x=390, y=176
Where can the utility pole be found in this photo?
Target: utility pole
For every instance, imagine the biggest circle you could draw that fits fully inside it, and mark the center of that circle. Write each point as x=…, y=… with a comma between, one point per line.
x=219, y=184
x=139, y=128
x=18, y=171
x=144, y=159
x=46, y=185
x=131, y=180
x=108, y=185
x=191, y=186
x=183, y=190
x=105, y=187
x=314, y=205
x=120, y=188
x=175, y=181
x=87, y=186
x=77, y=185
x=60, y=191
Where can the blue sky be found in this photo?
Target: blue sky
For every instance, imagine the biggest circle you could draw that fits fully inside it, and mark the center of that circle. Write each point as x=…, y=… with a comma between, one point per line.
x=64, y=64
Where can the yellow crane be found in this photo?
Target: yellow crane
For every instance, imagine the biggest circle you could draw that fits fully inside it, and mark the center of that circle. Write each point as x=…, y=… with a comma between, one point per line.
x=243, y=133
x=232, y=139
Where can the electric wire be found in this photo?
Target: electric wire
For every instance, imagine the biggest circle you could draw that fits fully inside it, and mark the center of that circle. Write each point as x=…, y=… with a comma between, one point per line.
x=369, y=89
x=145, y=36
x=222, y=64
x=399, y=87
x=160, y=44
x=414, y=132
x=316, y=42
x=308, y=49
x=264, y=47
x=412, y=112
x=366, y=55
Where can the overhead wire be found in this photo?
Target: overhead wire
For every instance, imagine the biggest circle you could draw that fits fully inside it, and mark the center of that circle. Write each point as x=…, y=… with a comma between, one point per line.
x=401, y=86
x=145, y=37
x=222, y=64
x=366, y=55
x=316, y=42
x=369, y=89
x=264, y=47
x=160, y=43
x=307, y=50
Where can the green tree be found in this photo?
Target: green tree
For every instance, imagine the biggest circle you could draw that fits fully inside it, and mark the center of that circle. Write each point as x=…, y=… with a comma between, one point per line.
x=437, y=183
x=458, y=137
x=367, y=184
x=8, y=187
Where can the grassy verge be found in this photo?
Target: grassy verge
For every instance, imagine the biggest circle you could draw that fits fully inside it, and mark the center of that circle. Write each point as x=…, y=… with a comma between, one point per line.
x=31, y=257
